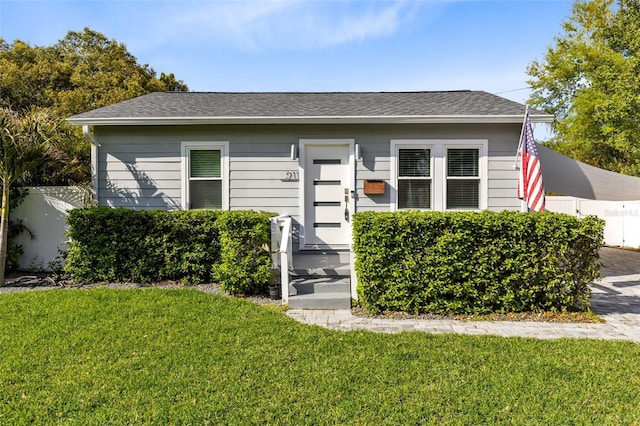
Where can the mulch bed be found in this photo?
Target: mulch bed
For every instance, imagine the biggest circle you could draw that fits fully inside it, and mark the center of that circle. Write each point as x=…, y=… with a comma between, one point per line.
x=556, y=317
x=33, y=281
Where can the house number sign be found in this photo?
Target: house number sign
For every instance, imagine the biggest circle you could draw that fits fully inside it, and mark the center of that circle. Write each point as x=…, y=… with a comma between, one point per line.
x=291, y=176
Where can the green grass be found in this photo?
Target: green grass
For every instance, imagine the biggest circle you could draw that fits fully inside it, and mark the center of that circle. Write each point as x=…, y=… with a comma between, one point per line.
x=184, y=357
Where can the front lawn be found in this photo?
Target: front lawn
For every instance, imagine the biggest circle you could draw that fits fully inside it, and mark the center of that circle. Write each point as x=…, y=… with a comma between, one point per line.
x=151, y=356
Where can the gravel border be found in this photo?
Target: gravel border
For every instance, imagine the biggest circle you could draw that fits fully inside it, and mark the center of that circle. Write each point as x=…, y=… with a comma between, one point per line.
x=42, y=281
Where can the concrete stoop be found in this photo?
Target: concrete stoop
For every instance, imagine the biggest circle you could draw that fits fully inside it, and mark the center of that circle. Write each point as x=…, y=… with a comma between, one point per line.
x=320, y=280
x=320, y=293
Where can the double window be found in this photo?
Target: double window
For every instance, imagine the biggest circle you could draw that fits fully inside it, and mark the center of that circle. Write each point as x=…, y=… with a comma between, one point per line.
x=439, y=175
x=204, y=181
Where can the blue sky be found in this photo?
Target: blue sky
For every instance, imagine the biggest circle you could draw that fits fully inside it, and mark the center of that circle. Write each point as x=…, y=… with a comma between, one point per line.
x=303, y=45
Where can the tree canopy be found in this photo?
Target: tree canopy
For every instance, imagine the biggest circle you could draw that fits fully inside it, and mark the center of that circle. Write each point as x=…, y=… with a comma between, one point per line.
x=83, y=71
x=590, y=80
x=24, y=147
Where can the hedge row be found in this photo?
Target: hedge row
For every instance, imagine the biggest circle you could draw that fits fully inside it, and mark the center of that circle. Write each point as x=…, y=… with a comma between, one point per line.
x=124, y=245
x=473, y=263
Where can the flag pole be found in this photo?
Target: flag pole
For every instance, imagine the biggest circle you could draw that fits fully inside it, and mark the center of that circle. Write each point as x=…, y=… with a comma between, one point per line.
x=524, y=123
x=523, y=202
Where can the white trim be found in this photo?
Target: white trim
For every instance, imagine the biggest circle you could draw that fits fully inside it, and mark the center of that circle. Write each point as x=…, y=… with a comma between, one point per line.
x=87, y=132
x=302, y=147
x=185, y=147
x=358, y=119
x=95, y=147
x=438, y=149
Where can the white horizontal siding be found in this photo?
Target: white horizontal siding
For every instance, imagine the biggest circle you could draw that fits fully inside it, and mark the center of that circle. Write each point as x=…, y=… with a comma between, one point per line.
x=140, y=166
x=173, y=193
x=503, y=178
x=159, y=202
x=267, y=164
x=258, y=175
x=265, y=202
x=263, y=184
x=150, y=176
x=374, y=165
x=271, y=175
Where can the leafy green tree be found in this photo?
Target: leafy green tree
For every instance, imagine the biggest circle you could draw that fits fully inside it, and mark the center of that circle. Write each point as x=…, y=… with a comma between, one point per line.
x=590, y=80
x=83, y=71
x=66, y=159
x=101, y=72
x=28, y=76
x=23, y=140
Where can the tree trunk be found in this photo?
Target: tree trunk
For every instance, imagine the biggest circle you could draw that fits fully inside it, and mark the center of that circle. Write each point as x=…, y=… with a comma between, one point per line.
x=4, y=227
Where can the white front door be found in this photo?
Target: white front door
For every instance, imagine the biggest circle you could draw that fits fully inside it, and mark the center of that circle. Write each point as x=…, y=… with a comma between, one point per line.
x=327, y=195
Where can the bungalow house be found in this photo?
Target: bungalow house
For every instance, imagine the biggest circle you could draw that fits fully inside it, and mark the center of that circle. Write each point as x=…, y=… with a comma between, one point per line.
x=314, y=157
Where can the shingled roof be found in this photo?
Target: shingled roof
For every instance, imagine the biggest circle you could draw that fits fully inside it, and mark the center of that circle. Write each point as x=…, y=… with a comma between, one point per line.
x=297, y=107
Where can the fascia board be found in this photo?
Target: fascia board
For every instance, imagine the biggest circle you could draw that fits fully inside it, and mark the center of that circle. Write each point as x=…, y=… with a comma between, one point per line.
x=436, y=119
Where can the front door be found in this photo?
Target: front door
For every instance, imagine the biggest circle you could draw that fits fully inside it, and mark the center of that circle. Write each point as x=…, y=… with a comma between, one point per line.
x=327, y=195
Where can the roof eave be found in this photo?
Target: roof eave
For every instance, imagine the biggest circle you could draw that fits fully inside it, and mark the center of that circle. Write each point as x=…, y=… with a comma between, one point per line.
x=435, y=119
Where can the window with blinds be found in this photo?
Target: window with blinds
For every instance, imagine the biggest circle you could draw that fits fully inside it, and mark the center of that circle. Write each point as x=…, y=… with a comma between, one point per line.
x=205, y=179
x=463, y=178
x=414, y=178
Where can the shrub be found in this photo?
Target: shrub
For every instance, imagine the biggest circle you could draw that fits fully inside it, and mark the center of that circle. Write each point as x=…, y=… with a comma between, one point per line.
x=245, y=261
x=470, y=262
x=118, y=244
x=16, y=227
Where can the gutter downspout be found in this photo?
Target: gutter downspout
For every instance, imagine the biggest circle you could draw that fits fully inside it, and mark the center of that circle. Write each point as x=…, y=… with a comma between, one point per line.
x=86, y=131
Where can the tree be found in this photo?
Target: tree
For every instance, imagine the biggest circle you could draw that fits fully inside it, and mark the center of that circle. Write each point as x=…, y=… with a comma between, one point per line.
x=102, y=72
x=590, y=80
x=83, y=71
x=23, y=140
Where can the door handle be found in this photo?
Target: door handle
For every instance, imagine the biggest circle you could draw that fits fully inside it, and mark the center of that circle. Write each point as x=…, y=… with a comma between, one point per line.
x=346, y=204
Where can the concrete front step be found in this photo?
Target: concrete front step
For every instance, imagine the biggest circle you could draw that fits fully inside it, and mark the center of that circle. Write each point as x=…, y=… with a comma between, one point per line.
x=311, y=285
x=321, y=263
x=320, y=301
x=320, y=293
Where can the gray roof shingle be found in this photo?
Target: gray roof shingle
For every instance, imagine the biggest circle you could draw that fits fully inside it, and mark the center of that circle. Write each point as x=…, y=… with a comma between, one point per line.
x=221, y=105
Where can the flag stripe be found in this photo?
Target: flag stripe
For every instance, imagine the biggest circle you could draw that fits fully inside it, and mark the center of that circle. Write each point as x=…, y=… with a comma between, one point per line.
x=530, y=186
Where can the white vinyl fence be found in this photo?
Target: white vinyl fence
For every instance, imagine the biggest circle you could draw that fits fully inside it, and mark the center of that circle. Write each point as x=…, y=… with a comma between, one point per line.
x=622, y=217
x=44, y=212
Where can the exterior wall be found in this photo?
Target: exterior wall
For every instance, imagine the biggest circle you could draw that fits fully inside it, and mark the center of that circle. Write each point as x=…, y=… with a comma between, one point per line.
x=622, y=218
x=44, y=212
x=139, y=166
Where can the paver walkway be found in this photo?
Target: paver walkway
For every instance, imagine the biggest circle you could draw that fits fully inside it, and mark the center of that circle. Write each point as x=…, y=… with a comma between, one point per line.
x=616, y=298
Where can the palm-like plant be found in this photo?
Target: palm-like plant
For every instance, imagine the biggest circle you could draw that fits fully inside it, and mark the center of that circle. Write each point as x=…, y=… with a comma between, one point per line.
x=24, y=146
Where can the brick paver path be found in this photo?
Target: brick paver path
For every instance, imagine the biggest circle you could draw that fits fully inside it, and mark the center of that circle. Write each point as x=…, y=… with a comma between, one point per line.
x=616, y=298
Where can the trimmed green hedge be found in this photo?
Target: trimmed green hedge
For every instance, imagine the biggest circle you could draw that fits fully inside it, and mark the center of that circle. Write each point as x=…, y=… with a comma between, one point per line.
x=475, y=262
x=124, y=245
x=245, y=265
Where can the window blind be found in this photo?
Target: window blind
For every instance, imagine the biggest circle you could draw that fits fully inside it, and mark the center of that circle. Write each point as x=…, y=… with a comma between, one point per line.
x=414, y=194
x=414, y=163
x=462, y=162
x=205, y=194
x=204, y=163
x=463, y=194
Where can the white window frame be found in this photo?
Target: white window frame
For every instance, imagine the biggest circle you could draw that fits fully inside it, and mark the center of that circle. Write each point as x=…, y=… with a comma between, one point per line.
x=439, y=177
x=185, y=149
x=395, y=172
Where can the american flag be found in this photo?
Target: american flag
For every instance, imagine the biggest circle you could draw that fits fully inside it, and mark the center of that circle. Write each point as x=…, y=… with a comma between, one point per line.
x=530, y=187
